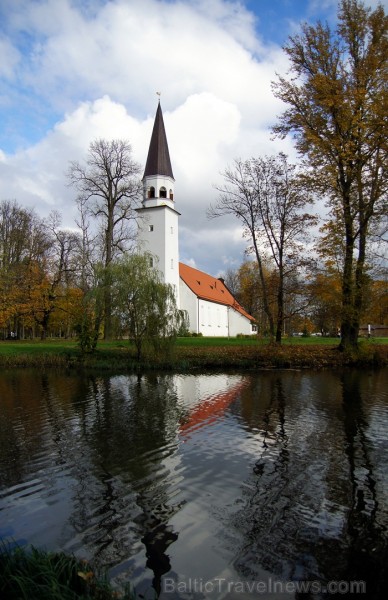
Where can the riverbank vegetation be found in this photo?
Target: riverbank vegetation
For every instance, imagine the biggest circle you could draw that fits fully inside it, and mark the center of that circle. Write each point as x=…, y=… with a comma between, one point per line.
x=190, y=353
x=38, y=575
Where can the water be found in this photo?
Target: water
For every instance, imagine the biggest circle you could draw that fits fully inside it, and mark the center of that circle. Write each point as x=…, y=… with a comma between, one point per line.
x=203, y=486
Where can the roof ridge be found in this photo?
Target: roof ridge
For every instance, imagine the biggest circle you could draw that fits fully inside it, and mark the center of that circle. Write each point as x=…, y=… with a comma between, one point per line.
x=219, y=292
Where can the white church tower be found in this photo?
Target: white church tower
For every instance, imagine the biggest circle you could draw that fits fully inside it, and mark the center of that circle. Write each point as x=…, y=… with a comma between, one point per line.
x=158, y=225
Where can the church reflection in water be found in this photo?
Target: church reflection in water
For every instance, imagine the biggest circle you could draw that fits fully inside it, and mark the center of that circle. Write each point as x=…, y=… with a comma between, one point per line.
x=237, y=476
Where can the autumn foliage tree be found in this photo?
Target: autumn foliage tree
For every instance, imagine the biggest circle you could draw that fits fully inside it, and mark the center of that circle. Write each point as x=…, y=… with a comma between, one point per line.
x=338, y=113
x=23, y=242
x=38, y=273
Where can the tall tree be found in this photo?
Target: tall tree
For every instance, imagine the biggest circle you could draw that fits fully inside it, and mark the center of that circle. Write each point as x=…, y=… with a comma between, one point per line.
x=338, y=113
x=109, y=187
x=268, y=195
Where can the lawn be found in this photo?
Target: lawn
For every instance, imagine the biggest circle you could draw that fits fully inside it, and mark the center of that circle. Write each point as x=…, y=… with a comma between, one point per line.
x=35, y=347
x=195, y=352
x=61, y=346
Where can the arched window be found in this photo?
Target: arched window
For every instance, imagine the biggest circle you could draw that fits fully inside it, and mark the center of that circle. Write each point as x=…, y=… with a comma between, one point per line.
x=171, y=195
x=163, y=192
x=151, y=192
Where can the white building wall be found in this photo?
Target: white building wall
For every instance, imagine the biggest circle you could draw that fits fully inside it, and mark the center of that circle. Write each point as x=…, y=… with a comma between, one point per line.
x=212, y=319
x=189, y=303
x=194, y=389
x=238, y=323
x=158, y=234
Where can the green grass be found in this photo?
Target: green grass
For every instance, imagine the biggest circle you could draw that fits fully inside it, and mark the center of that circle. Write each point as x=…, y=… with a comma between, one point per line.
x=56, y=346
x=194, y=352
x=32, y=574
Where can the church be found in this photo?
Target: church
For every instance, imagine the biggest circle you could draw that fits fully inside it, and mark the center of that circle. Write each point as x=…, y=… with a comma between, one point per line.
x=211, y=308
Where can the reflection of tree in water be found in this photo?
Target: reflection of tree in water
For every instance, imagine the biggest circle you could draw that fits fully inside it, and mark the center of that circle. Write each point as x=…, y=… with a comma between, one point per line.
x=24, y=427
x=367, y=541
x=107, y=443
x=304, y=518
x=131, y=432
x=266, y=508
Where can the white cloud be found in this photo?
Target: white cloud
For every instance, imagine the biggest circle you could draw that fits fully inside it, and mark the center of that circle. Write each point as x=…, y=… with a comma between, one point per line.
x=131, y=50
x=99, y=66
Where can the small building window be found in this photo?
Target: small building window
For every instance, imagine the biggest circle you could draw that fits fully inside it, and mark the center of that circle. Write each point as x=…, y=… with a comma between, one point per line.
x=150, y=228
x=151, y=262
x=172, y=263
x=151, y=192
x=163, y=192
x=171, y=229
x=171, y=195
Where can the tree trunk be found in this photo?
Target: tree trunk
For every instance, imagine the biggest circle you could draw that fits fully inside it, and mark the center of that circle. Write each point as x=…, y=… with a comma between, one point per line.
x=280, y=315
x=280, y=303
x=349, y=322
x=108, y=315
x=266, y=306
x=108, y=284
x=350, y=315
x=358, y=293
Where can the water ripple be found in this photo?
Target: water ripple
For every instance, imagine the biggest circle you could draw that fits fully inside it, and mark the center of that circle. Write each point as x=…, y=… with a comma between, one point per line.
x=281, y=475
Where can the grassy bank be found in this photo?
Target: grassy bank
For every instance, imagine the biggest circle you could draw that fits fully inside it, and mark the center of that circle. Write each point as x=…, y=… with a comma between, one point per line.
x=32, y=574
x=194, y=353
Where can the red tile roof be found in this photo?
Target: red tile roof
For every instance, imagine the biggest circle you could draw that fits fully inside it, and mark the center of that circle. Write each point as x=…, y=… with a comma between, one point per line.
x=209, y=288
x=209, y=409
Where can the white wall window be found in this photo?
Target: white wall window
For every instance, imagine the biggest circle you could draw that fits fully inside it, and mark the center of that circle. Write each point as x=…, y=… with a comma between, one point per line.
x=150, y=227
x=171, y=229
x=172, y=263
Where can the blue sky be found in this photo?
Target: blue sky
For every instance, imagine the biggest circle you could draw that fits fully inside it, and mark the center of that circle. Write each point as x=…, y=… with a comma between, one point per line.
x=72, y=71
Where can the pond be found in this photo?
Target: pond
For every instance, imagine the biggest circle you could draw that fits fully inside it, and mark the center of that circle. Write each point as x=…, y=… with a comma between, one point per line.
x=231, y=485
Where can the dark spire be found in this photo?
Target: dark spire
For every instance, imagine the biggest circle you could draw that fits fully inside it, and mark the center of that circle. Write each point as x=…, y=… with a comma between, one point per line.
x=158, y=159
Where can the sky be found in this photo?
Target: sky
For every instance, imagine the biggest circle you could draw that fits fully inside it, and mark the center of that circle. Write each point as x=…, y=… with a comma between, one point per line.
x=73, y=71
